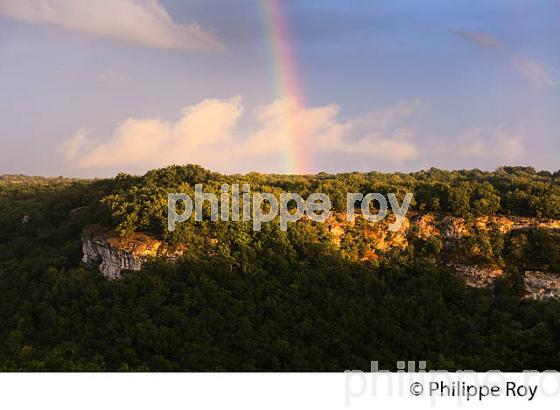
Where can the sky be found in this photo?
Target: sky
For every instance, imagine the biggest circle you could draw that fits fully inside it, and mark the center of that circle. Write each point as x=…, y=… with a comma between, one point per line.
x=90, y=89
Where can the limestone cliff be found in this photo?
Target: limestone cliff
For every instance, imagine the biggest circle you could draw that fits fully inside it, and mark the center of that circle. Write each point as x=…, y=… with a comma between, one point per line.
x=477, y=276
x=541, y=286
x=111, y=253
x=538, y=285
x=380, y=239
x=376, y=234
x=450, y=227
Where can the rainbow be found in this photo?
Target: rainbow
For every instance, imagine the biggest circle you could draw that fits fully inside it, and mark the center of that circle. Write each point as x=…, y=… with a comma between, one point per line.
x=283, y=67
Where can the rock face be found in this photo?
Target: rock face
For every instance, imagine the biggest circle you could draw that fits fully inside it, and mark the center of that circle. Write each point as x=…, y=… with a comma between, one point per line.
x=453, y=228
x=111, y=261
x=425, y=226
x=477, y=276
x=377, y=234
x=538, y=285
x=112, y=253
x=541, y=286
x=450, y=227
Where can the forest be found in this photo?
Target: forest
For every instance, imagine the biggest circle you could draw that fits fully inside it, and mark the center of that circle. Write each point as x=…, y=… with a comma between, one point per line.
x=271, y=300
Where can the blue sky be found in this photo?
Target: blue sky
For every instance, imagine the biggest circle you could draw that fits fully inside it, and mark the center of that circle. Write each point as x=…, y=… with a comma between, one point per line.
x=95, y=88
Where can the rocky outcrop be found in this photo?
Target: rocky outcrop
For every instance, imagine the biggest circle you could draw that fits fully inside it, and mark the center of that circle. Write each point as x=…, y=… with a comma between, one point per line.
x=337, y=227
x=450, y=227
x=377, y=234
x=541, y=286
x=477, y=276
x=112, y=254
x=453, y=228
x=425, y=226
x=538, y=285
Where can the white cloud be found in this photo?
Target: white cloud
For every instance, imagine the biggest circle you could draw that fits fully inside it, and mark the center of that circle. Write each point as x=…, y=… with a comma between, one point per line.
x=320, y=131
x=490, y=144
x=212, y=134
x=73, y=147
x=202, y=131
x=142, y=22
x=280, y=121
x=206, y=134
x=113, y=76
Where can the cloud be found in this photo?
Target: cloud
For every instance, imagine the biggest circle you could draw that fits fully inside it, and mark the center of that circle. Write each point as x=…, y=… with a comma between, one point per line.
x=284, y=119
x=379, y=134
x=141, y=22
x=206, y=133
x=479, y=38
x=384, y=118
x=320, y=131
x=214, y=134
x=202, y=131
x=475, y=147
x=490, y=144
x=538, y=73
x=112, y=76
x=71, y=148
